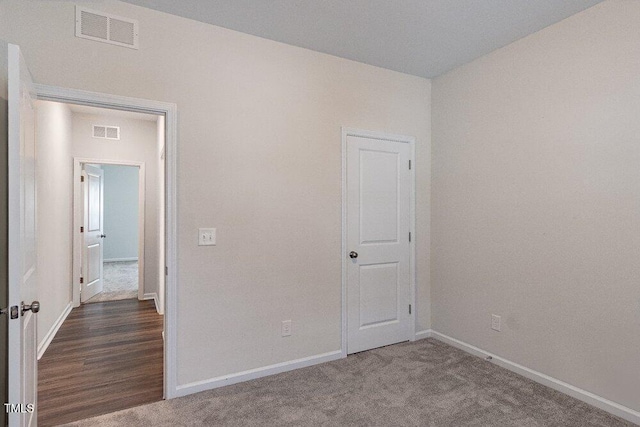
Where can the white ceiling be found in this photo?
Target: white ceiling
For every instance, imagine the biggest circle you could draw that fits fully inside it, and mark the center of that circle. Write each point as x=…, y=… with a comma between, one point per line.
x=85, y=109
x=420, y=37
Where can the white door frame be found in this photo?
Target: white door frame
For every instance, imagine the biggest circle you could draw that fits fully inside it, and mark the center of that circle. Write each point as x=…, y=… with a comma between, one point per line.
x=169, y=110
x=78, y=220
x=346, y=132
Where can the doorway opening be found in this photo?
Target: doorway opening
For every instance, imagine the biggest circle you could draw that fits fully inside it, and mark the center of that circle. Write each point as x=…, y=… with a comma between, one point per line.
x=109, y=227
x=101, y=224
x=123, y=249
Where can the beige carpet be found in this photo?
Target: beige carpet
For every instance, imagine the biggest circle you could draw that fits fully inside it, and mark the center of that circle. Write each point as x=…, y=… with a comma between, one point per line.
x=119, y=281
x=426, y=383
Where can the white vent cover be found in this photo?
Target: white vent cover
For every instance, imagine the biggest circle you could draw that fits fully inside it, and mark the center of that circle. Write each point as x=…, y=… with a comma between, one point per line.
x=103, y=27
x=106, y=132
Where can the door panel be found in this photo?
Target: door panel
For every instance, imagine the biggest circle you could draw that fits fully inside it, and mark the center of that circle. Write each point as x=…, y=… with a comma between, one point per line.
x=92, y=248
x=378, y=197
x=378, y=294
x=94, y=194
x=93, y=269
x=22, y=373
x=378, y=214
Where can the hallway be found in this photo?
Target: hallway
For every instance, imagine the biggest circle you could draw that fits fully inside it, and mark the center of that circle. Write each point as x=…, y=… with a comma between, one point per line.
x=106, y=357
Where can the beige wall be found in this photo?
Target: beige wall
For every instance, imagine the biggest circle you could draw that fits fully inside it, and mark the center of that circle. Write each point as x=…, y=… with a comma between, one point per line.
x=536, y=200
x=259, y=158
x=54, y=185
x=138, y=142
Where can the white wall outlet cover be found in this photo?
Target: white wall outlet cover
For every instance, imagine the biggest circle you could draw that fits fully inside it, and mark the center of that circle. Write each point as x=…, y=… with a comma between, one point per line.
x=495, y=322
x=286, y=328
x=206, y=237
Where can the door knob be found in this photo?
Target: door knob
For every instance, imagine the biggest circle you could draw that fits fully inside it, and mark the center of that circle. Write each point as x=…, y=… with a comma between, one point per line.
x=34, y=307
x=353, y=254
x=102, y=236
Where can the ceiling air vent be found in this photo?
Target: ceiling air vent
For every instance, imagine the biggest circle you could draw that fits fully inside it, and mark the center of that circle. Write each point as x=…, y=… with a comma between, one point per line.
x=106, y=132
x=103, y=27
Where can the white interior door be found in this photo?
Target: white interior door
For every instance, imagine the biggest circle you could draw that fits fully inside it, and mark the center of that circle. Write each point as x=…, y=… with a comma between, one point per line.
x=378, y=248
x=22, y=243
x=93, y=235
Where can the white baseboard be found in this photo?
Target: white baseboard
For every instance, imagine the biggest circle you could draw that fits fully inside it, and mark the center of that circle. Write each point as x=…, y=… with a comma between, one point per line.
x=578, y=393
x=195, y=387
x=154, y=297
x=420, y=335
x=135, y=258
x=42, y=346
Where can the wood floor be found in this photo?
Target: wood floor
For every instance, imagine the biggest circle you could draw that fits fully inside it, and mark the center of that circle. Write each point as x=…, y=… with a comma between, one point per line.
x=106, y=356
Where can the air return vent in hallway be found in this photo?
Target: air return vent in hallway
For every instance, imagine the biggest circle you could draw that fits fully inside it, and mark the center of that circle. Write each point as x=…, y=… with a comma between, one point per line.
x=103, y=27
x=106, y=132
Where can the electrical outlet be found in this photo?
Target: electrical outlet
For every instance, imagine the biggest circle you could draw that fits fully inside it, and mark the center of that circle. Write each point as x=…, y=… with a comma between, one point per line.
x=206, y=237
x=286, y=328
x=495, y=322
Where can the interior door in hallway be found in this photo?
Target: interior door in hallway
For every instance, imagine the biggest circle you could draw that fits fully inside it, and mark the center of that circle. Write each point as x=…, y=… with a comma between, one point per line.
x=378, y=247
x=93, y=235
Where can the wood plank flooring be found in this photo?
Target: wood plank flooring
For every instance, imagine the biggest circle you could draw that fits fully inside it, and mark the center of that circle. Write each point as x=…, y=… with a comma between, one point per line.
x=107, y=356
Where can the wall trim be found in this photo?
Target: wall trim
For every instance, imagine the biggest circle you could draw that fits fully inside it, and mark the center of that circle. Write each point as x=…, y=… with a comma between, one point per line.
x=556, y=384
x=154, y=297
x=44, y=344
x=134, y=258
x=252, y=374
x=346, y=132
x=420, y=335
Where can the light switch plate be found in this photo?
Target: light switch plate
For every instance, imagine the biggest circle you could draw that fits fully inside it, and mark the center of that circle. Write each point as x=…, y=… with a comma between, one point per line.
x=206, y=237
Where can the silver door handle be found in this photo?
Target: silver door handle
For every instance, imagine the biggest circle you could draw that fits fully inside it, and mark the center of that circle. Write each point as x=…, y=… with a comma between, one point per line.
x=353, y=254
x=34, y=307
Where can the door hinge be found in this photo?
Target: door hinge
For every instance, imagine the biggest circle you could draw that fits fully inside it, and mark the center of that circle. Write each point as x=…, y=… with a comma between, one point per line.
x=409, y=164
x=409, y=236
x=81, y=178
x=166, y=271
x=81, y=280
x=13, y=311
x=409, y=308
x=82, y=229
